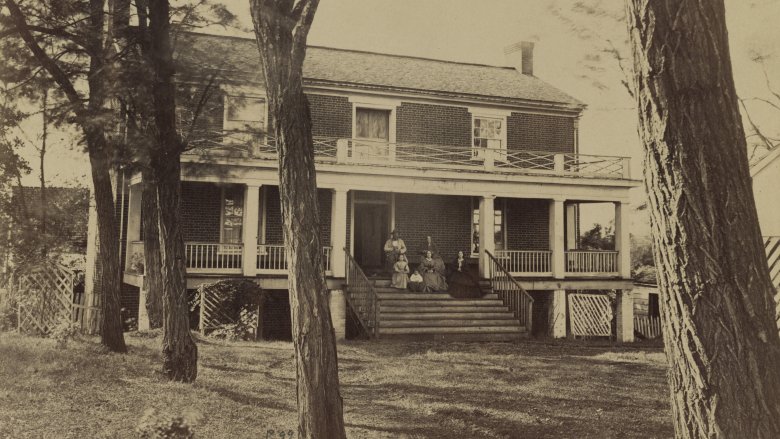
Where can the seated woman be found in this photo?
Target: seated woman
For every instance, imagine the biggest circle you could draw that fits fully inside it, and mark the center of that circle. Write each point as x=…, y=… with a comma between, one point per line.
x=433, y=278
x=462, y=283
x=400, y=273
x=416, y=282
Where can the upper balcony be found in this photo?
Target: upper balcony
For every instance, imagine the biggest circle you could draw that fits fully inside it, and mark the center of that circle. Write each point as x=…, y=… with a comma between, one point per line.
x=359, y=152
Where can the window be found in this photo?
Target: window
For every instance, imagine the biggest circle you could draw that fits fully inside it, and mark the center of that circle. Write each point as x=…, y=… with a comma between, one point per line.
x=487, y=132
x=499, y=228
x=245, y=119
x=232, y=215
x=372, y=124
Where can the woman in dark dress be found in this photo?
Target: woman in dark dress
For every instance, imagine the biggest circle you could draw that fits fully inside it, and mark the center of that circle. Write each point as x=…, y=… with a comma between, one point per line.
x=433, y=278
x=462, y=283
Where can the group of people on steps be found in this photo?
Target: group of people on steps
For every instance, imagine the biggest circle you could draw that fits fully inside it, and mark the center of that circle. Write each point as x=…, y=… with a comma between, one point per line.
x=432, y=274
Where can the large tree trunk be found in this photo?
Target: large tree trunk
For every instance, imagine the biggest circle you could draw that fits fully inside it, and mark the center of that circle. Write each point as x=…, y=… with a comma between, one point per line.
x=152, y=275
x=281, y=31
x=111, y=333
x=180, y=354
x=718, y=314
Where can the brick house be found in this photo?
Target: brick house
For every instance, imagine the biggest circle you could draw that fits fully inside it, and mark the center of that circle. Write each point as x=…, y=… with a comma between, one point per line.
x=434, y=148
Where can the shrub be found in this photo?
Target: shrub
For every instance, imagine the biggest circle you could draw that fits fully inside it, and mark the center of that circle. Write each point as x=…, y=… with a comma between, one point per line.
x=238, y=303
x=63, y=331
x=156, y=425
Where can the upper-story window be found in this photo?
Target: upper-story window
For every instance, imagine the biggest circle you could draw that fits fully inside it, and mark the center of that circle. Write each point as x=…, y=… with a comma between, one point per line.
x=232, y=214
x=245, y=118
x=488, y=132
x=372, y=124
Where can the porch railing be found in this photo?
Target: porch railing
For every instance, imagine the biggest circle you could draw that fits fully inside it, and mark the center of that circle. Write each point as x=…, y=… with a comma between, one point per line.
x=272, y=258
x=429, y=156
x=526, y=262
x=592, y=261
x=514, y=296
x=361, y=297
x=204, y=257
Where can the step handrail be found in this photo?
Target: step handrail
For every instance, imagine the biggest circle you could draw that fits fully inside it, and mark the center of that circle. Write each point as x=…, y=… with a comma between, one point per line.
x=514, y=296
x=361, y=297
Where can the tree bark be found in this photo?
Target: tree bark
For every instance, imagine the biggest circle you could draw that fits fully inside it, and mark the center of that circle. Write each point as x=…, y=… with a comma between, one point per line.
x=717, y=310
x=281, y=29
x=180, y=354
x=152, y=274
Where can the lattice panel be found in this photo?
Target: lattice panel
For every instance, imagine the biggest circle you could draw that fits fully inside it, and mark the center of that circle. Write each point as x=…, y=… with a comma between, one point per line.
x=590, y=315
x=45, y=296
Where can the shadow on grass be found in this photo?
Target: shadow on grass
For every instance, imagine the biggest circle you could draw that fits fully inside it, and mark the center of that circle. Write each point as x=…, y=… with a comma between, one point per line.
x=251, y=401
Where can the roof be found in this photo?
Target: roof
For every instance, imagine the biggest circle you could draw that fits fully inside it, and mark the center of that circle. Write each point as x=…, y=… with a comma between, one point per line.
x=238, y=59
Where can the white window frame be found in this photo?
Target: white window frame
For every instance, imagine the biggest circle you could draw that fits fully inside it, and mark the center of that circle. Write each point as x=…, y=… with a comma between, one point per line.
x=225, y=249
x=490, y=113
x=229, y=125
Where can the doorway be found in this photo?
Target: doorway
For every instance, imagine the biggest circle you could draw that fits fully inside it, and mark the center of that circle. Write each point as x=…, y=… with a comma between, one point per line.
x=372, y=227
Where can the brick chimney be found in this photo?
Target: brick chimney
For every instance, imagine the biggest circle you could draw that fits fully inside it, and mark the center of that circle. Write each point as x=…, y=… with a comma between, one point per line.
x=521, y=56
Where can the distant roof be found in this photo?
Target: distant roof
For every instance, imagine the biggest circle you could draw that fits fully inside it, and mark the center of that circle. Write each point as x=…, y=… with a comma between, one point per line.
x=238, y=59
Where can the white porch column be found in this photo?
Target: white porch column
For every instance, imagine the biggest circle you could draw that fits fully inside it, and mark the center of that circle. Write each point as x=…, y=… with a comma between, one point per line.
x=625, y=316
x=133, y=220
x=571, y=226
x=338, y=312
x=487, y=220
x=338, y=232
x=251, y=228
x=557, y=243
x=623, y=240
x=557, y=316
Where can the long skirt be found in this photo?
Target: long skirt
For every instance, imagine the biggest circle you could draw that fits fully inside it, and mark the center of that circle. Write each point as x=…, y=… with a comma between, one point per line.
x=463, y=285
x=399, y=281
x=434, y=281
x=417, y=287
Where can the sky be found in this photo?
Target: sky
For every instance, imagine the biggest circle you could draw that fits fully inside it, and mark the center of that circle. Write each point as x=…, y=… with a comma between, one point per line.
x=566, y=53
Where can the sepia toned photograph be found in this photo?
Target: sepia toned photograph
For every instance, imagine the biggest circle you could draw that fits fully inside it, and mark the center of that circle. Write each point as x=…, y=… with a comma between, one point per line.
x=283, y=219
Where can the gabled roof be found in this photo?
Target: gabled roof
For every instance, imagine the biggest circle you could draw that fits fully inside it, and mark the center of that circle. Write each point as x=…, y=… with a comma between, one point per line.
x=238, y=59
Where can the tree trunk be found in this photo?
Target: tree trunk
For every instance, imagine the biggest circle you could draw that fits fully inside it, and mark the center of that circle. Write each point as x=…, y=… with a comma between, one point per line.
x=180, y=354
x=152, y=273
x=717, y=310
x=111, y=333
x=281, y=31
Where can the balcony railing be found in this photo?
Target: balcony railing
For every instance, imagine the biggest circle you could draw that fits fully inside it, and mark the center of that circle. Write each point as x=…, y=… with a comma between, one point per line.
x=592, y=262
x=272, y=259
x=206, y=257
x=428, y=156
x=526, y=262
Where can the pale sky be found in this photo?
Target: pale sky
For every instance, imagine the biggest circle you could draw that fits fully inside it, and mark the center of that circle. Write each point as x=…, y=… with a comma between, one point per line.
x=465, y=30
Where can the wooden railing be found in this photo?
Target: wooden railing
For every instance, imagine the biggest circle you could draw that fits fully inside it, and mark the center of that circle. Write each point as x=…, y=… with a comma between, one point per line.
x=361, y=297
x=514, y=296
x=526, y=262
x=272, y=258
x=204, y=257
x=428, y=156
x=592, y=261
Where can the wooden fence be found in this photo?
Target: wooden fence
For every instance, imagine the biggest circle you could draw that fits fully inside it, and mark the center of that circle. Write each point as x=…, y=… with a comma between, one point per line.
x=649, y=327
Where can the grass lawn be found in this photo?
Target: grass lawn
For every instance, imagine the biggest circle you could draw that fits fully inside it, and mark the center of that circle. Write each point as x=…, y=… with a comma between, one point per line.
x=391, y=389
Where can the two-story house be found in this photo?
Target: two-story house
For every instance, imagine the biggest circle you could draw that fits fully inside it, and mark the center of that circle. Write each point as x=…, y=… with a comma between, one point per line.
x=482, y=159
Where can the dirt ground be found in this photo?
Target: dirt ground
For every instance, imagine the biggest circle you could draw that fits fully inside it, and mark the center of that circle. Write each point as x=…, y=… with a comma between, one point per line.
x=397, y=389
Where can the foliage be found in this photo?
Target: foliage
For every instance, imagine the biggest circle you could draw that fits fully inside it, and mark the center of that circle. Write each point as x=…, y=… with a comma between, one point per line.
x=136, y=263
x=598, y=238
x=63, y=331
x=245, y=327
x=156, y=425
x=641, y=252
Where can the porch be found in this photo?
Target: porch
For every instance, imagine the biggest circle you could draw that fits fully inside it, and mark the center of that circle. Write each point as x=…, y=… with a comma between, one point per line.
x=227, y=225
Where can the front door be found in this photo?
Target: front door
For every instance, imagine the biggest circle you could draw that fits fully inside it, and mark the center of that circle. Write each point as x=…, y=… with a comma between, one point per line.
x=371, y=231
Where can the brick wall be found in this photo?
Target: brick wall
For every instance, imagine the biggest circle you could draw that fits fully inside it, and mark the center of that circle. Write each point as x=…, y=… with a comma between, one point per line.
x=277, y=323
x=527, y=224
x=128, y=300
x=540, y=312
x=331, y=116
x=200, y=211
x=437, y=124
x=446, y=219
x=538, y=132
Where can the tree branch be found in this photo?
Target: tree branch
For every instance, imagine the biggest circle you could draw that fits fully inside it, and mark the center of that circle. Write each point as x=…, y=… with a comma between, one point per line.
x=46, y=62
